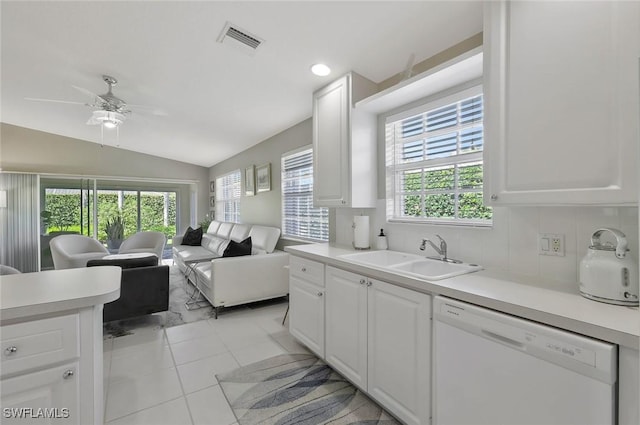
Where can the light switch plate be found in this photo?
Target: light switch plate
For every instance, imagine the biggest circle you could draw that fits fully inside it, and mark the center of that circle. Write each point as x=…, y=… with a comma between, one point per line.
x=551, y=244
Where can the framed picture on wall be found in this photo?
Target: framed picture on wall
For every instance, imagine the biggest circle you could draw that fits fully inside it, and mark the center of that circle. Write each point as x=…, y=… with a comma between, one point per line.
x=212, y=202
x=263, y=178
x=249, y=181
x=212, y=186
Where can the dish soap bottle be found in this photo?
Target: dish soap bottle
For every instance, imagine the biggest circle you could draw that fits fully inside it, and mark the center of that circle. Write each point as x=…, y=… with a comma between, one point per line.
x=381, y=240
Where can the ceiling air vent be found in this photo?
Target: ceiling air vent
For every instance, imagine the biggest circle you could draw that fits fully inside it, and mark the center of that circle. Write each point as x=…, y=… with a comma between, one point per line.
x=235, y=36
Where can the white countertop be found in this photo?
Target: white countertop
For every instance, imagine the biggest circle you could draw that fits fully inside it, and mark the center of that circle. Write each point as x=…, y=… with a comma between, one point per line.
x=524, y=297
x=30, y=294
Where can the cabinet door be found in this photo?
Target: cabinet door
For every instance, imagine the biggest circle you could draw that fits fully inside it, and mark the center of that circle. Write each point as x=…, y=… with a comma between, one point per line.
x=346, y=324
x=331, y=129
x=47, y=396
x=561, y=102
x=399, y=351
x=306, y=314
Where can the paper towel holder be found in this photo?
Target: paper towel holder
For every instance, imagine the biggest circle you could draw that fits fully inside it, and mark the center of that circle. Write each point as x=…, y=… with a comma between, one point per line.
x=353, y=243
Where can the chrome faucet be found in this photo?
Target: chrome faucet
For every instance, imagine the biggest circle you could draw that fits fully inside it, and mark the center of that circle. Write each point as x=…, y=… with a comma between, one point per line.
x=441, y=250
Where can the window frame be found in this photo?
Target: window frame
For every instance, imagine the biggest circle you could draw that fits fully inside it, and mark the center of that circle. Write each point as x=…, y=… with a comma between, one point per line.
x=393, y=170
x=221, y=200
x=283, y=180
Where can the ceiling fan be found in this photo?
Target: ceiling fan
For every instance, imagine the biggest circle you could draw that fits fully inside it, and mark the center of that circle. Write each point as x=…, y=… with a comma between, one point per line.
x=111, y=111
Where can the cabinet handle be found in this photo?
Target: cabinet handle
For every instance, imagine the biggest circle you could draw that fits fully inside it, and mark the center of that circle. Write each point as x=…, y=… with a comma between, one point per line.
x=304, y=269
x=494, y=197
x=362, y=281
x=319, y=294
x=369, y=283
x=10, y=350
x=67, y=374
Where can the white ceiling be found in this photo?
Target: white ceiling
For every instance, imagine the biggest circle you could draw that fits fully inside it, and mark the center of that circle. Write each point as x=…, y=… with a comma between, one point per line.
x=219, y=100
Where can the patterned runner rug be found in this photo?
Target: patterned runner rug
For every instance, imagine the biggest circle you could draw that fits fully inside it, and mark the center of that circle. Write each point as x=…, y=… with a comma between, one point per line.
x=297, y=389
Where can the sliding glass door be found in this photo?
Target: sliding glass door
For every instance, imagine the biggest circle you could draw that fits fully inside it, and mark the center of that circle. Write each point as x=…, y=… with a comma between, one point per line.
x=107, y=210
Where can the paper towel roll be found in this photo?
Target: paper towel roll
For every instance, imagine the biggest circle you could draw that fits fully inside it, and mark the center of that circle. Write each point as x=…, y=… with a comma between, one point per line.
x=361, y=232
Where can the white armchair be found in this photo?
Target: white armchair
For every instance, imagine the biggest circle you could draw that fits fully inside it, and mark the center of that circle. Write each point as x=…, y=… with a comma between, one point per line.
x=73, y=251
x=144, y=242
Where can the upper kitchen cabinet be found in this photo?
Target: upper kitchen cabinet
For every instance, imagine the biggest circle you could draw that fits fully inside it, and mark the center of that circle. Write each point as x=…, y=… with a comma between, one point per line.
x=561, y=102
x=344, y=145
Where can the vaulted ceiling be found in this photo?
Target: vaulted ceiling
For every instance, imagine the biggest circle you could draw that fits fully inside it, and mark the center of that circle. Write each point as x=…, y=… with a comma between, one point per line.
x=216, y=100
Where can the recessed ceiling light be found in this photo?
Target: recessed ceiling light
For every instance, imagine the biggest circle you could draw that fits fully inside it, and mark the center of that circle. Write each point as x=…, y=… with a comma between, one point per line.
x=320, y=69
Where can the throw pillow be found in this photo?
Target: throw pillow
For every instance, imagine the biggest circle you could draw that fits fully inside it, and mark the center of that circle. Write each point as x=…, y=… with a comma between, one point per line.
x=237, y=249
x=192, y=237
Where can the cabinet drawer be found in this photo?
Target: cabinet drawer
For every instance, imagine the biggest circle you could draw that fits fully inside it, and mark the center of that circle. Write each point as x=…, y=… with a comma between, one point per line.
x=311, y=271
x=39, y=342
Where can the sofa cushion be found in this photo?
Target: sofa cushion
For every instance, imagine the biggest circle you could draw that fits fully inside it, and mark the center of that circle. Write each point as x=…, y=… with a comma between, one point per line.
x=264, y=238
x=125, y=263
x=194, y=253
x=213, y=227
x=224, y=231
x=192, y=237
x=238, y=249
x=240, y=232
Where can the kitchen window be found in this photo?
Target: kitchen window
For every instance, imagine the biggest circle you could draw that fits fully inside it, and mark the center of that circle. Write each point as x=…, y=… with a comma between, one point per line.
x=228, y=197
x=300, y=219
x=434, y=162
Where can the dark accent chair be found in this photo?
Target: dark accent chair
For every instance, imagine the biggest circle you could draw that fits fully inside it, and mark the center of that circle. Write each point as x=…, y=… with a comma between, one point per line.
x=144, y=288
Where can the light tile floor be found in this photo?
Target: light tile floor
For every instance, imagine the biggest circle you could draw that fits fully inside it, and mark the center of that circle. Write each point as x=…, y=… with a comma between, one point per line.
x=167, y=376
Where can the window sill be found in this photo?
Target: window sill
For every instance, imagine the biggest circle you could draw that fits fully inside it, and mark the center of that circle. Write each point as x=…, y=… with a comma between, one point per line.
x=300, y=240
x=452, y=224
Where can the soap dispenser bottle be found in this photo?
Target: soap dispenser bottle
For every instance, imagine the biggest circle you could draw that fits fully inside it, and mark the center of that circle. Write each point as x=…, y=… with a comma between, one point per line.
x=381, y=240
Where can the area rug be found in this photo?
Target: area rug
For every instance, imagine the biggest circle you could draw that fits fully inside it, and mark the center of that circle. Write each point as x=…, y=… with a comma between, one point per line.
x=179, y=293
x=297, y=389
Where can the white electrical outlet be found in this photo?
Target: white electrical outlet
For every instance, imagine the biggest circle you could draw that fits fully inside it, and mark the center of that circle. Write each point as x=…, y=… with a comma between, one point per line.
x=551, y=244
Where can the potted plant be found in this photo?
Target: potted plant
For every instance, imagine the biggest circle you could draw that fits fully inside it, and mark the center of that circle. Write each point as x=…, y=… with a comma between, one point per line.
x=114, y=229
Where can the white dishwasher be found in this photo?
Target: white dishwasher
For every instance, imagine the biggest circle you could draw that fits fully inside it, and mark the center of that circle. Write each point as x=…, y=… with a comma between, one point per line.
x=494, y=369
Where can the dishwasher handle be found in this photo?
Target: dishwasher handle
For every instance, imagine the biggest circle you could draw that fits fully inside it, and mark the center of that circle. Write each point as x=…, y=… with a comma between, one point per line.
x=503, y=339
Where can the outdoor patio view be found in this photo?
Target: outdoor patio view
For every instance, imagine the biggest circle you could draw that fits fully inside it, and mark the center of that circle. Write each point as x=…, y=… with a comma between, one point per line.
x=120, y=213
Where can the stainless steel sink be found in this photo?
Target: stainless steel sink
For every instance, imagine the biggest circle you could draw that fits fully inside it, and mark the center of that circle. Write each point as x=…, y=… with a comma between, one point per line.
x=381, y=258
x=435, y=269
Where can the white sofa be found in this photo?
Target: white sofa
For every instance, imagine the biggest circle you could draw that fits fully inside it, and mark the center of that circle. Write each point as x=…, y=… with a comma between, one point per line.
x=230, y=281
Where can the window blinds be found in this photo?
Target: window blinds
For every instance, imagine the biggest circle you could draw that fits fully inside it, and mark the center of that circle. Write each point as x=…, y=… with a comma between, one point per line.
x=300, y=219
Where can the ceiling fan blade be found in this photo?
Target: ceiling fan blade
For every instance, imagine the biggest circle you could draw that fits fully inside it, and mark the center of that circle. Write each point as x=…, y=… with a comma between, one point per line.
x=145, y=109
x=35, y=99
x=89, y=93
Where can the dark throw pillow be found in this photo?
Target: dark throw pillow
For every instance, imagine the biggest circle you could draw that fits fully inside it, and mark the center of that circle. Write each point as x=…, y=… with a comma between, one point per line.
x=192, y=237
x=238, y=249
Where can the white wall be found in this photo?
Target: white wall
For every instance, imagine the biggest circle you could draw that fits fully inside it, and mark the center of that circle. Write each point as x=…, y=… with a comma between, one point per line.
x=265, y=208
x=511, y=244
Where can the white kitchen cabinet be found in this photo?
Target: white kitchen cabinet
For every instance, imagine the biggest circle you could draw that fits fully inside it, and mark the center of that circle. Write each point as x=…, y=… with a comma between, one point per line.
x=344, y=145
x=53, y=392
x=628, y=386
x=306, y=301
x=399, y=351
x=51, y=344
x=378, y=336
x=561, y=102
x=346, y=324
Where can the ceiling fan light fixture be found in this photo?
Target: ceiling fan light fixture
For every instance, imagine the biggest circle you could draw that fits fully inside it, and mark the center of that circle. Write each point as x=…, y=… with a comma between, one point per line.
x=108, y=119
x=320, y=69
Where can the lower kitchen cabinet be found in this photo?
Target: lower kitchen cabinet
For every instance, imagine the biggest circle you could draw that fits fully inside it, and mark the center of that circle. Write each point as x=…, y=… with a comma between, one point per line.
x=378, y=336
x=399, y=351
x=306, y=313
x=51, y=394
x=346, y=324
